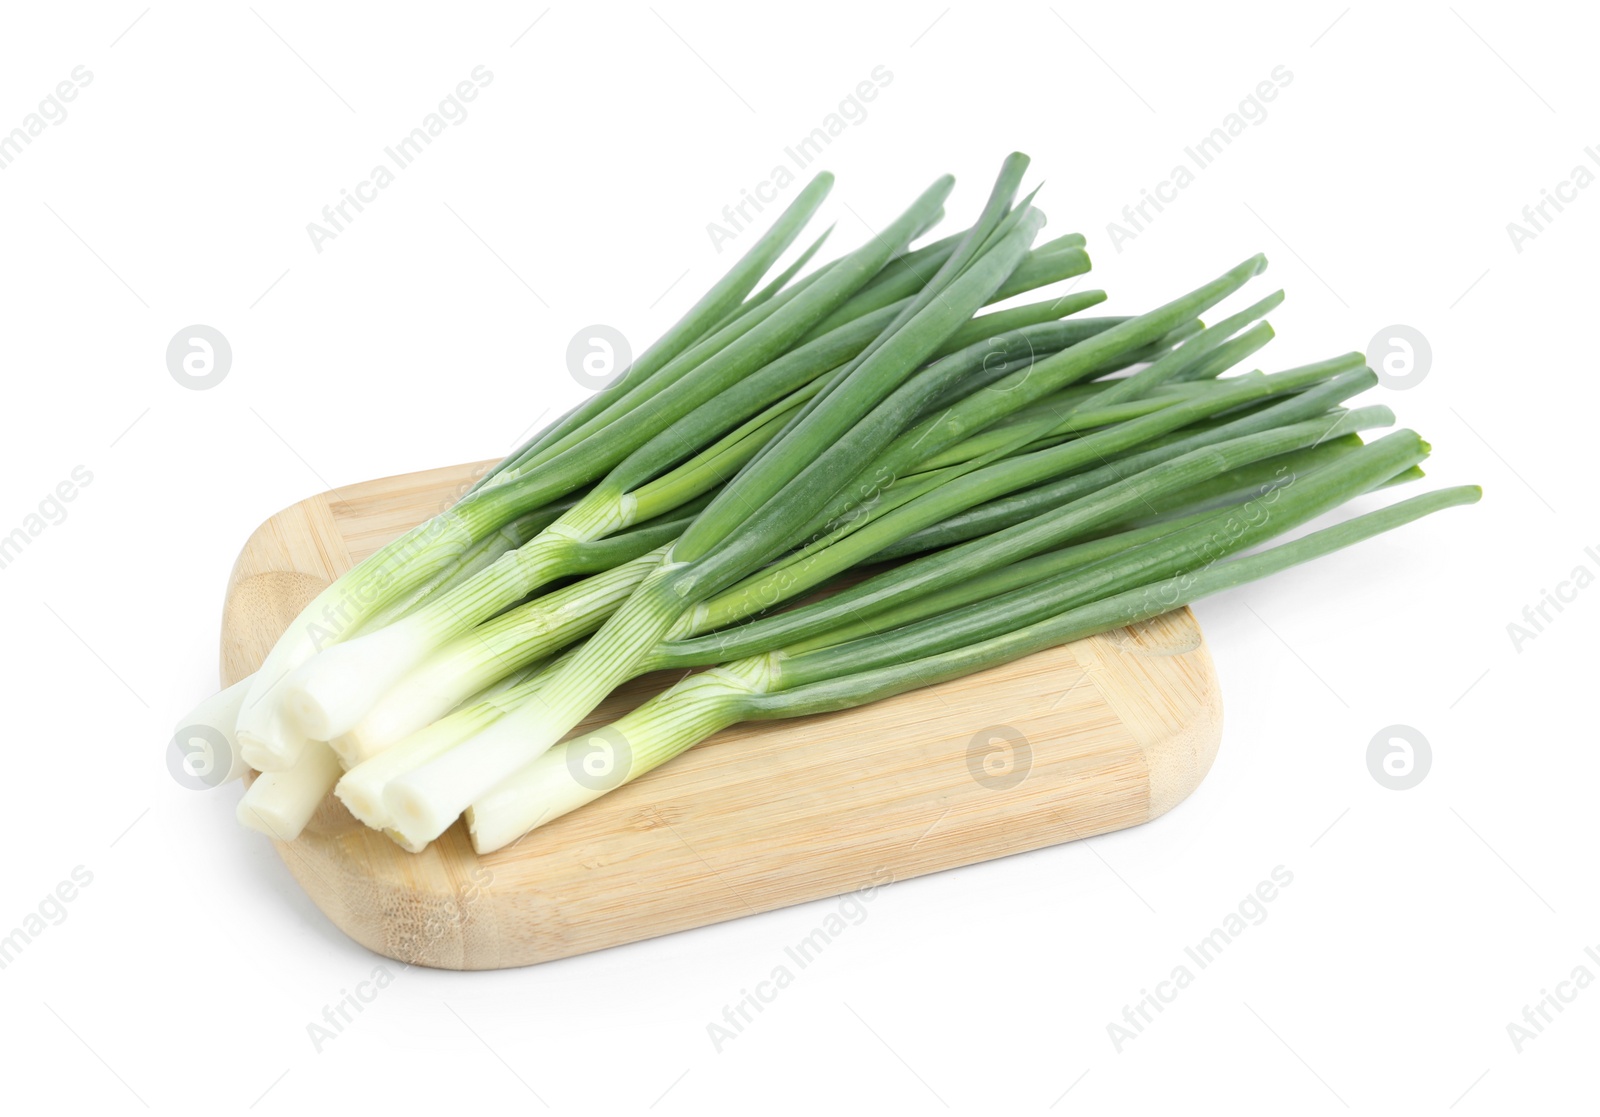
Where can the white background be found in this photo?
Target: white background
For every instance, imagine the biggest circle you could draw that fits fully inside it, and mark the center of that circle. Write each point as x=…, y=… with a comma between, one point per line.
x=177, y=191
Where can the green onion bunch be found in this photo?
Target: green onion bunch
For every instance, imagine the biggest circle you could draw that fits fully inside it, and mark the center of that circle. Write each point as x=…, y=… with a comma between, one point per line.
x=811, y=494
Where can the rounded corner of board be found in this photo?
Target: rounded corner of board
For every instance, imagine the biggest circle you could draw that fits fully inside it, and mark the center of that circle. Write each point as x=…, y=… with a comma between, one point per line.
x=400, y=907
x=1180, y=754
x=1158, y=677
x=1179, y=761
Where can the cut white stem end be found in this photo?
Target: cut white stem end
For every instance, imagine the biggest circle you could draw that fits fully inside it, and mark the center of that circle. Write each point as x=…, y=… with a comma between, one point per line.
x=279, y=804
x=420, y=699
x=424, y=802
x=267, y=742
x=207, y=737
x=551, y=786
x=361, y=789
x=328, y=695
x=579, y=771
x=405, y=843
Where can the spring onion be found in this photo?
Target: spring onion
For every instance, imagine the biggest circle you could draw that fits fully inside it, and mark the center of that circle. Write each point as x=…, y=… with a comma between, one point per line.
x=820, y=487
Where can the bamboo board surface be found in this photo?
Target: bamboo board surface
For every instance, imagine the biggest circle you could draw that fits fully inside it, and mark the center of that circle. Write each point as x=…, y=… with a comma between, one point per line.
x=1080, y=740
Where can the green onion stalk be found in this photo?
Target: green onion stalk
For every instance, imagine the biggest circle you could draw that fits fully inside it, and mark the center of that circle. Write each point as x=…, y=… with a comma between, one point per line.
x=759, y=515
x=529, y=633
x=542, y=626
x=877, y=610
x=361, y=788
x=827, y=440
x=330, y=692
x=431, y=552
x=1092, y=513
x=774, y=443
x=462, y=665
x=842, y=676
x=655, y=413
x=334, y=691
x=1332, y=381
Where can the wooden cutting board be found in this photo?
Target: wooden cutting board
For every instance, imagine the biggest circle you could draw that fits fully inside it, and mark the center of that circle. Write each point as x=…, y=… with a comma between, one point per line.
x=1095, y=736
